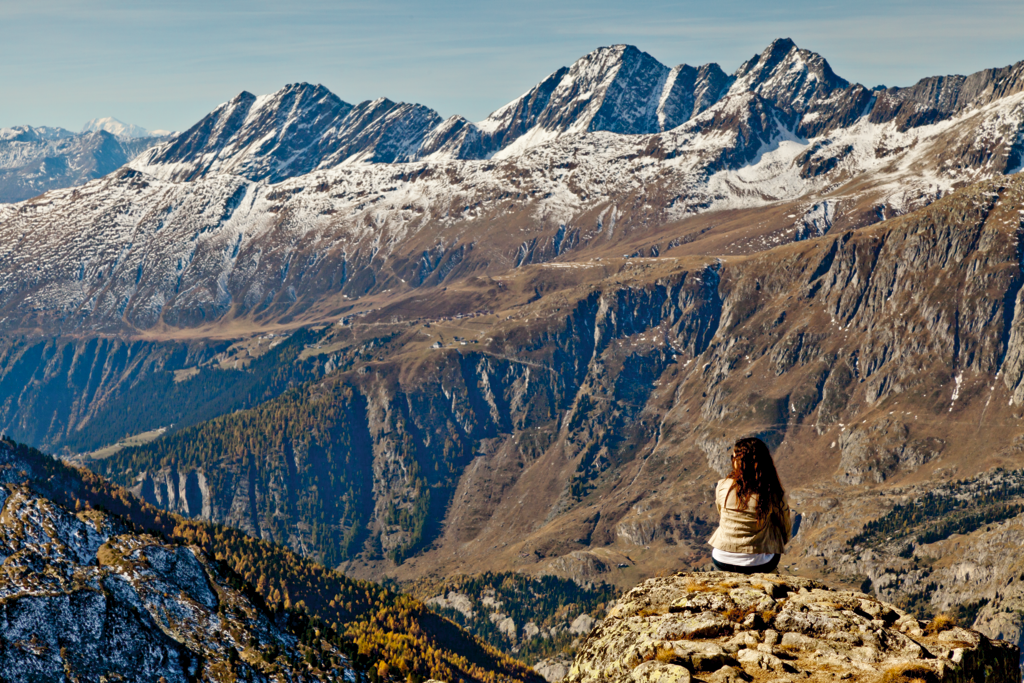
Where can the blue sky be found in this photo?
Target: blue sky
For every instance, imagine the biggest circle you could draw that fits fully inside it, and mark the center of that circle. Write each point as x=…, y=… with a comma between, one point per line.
x=164, y=64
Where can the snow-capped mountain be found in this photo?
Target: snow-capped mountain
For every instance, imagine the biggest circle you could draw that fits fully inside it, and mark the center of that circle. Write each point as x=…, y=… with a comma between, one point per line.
x=34, y=134
x=119, y=128
x=617, y=89
x=270, y=203
x=304, y=127
x=289, y=133
x=790, y=78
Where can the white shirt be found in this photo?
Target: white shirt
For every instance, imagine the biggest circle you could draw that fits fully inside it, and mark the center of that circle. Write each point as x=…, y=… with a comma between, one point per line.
x=741, y=559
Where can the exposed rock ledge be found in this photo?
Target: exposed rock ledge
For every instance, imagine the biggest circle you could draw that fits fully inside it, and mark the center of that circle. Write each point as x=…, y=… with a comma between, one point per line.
x=725, y=628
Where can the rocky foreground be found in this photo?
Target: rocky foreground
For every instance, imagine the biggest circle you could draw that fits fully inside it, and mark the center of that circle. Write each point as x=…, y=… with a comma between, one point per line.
x=725, y=628
x=83, y=599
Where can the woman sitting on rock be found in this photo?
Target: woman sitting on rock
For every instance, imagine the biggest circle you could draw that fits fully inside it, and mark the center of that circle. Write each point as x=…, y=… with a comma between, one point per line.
x=755, y=522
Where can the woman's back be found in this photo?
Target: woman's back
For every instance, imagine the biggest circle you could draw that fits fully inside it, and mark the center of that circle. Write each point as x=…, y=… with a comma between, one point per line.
x=739, y=530
x=755, y=522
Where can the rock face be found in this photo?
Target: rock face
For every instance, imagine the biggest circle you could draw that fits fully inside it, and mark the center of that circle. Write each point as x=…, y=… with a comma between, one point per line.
x=84, y=598
x=721, y=627
x=188, y=495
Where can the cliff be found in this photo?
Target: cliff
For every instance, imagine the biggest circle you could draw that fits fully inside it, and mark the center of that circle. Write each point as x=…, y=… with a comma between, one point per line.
x=724, y=628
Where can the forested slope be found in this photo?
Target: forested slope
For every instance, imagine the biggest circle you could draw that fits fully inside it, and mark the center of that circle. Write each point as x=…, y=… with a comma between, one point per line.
x=387, y=634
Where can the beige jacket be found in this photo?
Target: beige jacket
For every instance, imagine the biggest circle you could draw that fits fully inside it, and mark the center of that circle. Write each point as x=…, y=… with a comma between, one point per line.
x=738, y=530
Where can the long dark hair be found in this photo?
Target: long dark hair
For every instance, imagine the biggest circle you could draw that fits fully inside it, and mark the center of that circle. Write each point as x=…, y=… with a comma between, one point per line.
x=754, y=472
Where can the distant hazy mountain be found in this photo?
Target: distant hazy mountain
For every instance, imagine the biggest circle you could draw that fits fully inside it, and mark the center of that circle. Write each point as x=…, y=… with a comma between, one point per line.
x=36, y=159
x=125, y=130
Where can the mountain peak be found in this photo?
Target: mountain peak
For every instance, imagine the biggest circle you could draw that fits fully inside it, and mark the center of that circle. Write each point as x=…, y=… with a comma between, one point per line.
x=781, y=45
x=788, y=76
x=614, y=88
x=314, y=89
x=115, y=127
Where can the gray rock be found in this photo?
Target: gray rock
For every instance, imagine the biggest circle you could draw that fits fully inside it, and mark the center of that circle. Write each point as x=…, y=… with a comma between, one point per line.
x=654, y=671
x=582, y=625
x=553, y=669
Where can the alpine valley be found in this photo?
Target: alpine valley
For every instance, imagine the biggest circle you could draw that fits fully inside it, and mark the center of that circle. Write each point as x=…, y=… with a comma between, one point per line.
x=501, y=363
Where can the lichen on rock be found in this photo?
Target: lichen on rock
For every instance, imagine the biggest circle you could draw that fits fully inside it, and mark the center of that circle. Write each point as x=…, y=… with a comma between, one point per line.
x=720, y=627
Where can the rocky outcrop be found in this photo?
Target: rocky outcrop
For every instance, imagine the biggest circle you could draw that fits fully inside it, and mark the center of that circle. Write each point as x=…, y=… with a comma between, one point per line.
x=879, y=451
x=720, y=627
x=84, y=598
x=553, y=669
x=942, y=546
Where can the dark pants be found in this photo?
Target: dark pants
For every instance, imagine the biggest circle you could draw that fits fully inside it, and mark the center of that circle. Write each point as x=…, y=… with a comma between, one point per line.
x=768, y=566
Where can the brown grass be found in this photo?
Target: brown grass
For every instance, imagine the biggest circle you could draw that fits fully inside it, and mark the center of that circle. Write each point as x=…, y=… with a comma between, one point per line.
x=738, y=615
x=941, y=622
x=909, y=673
x=723, y=587
x=666, y=655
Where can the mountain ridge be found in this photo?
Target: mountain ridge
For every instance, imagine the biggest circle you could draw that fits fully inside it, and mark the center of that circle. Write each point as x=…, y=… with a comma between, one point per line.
x=781, y=137
x=126, y=588
x=621, y=89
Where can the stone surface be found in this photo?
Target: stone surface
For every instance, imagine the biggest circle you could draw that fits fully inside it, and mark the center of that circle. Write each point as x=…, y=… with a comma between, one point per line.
x=721, y=627
x=553, y=669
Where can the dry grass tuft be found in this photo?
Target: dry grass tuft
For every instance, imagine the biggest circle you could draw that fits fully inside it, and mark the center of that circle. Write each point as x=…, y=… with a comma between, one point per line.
x=723, y=587
x=909, y=673
x=666, y=655
x=738, y=615
x=941, y=622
